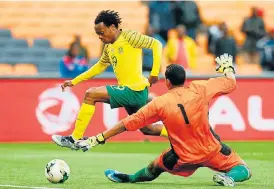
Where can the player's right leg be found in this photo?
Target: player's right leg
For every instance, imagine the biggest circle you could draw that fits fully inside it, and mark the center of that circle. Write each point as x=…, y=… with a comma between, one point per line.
x=93, y=95
x=232, y=167
x=223, y=180
x=238, y=173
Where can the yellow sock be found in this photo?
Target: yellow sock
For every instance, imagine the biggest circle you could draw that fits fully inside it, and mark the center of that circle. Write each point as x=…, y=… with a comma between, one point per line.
x=84, y=116
x=164, y=132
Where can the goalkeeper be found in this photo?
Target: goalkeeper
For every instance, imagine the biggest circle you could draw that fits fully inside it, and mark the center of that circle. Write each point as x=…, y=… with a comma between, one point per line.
x=184, y=111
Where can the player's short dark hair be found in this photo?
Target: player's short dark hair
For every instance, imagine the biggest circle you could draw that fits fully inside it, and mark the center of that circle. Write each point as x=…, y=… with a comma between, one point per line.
x=176, y=74
x=108, y=17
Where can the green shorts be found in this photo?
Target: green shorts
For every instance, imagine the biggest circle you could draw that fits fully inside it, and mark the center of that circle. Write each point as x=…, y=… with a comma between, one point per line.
x=121, y=96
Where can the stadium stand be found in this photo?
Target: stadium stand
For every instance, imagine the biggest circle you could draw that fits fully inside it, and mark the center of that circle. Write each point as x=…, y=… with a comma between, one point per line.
x=32, y=20
x=41, y=43
x=25, y=70
x=5, y=69
x=233, y=13
x=5, y=34
x=32, y=31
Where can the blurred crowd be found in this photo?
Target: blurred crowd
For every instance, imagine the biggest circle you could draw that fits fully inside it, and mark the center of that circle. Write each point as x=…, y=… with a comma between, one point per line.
x=76, y=59
x=176, y=24
x=184, y=18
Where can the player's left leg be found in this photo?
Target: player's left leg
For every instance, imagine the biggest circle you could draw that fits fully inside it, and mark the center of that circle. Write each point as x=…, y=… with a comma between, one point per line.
x=149, y=173
x=85, y=114
x=168, y=161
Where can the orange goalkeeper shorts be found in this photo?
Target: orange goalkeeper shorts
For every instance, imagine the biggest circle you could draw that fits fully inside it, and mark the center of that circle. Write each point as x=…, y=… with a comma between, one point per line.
x=171, y=163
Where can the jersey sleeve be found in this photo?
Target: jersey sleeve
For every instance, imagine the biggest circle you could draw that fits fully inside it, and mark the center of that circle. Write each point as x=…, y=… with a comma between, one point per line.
x=145, y=116
x=104, y=59
x=215, y=87
x=98, y=68
x=138, y=40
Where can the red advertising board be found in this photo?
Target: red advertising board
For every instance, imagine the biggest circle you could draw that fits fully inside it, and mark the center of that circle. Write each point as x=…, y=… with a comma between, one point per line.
x=33, y=109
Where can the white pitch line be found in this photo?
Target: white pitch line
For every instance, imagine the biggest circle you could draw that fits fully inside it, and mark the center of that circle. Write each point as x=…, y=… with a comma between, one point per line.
x=28, y=187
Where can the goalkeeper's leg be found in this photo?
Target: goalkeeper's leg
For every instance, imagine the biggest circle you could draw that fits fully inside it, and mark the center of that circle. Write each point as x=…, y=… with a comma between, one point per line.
x=239, y=173
x=233, y=168
x=148, y=173
x=168, y=161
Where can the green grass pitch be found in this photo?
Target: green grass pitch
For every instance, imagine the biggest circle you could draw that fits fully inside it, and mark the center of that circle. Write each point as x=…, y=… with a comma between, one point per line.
x=23, y=165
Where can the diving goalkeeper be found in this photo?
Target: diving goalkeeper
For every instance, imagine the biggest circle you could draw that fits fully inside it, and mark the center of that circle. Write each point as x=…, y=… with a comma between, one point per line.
x=184, y=111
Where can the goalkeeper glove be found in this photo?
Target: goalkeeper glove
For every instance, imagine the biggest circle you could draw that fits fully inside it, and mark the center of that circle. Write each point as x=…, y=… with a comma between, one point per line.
x=91, y=142
x=225, y=63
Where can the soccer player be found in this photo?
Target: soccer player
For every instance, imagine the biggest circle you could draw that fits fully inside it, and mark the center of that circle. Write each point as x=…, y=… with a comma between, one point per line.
x=184, y=111
x=123, y=51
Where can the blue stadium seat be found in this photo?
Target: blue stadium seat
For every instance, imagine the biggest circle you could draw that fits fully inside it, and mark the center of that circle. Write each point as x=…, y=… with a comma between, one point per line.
x=5, y=33
x=93, y=61
x=2, y=60
x=29, y=59
x=10, y=60
x=37, y=52
x=109, y=69
x=15, y=52
x=41, y=43
x=49, y=65
x=17, y=43
x=57, y=53
x=4, y=43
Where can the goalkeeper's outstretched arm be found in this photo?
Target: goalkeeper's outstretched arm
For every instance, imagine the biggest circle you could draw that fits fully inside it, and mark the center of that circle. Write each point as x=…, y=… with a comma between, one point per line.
x=226, y=67
x=231, y=75
x=215, y=87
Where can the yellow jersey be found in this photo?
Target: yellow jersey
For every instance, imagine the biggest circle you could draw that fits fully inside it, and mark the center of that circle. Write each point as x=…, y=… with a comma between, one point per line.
x=125, y=56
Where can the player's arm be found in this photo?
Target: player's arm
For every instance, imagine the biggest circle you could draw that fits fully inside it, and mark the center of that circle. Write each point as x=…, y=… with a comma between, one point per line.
x=145, y=116
x=226, y=67
x=231, y=75
x=138, y=40
x=222, y=85
x=215, y=87
x=98, y=68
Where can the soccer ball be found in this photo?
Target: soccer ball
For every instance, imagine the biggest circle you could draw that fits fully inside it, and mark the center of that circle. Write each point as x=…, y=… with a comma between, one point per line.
x=57, y=171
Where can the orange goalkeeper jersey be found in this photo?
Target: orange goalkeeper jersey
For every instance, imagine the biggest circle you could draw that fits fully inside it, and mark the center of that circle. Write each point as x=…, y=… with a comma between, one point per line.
x=184, y=112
